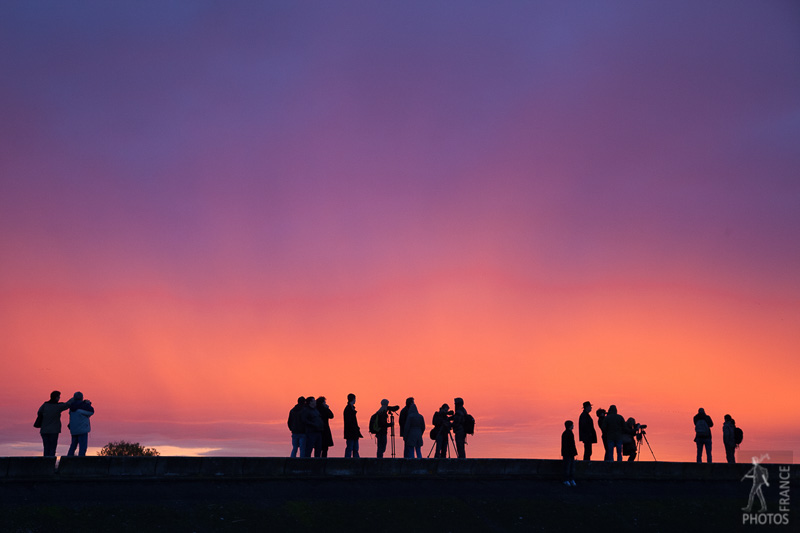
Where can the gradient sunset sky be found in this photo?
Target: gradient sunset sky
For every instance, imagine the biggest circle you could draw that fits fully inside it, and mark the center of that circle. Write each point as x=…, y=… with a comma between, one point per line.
x=208, y=209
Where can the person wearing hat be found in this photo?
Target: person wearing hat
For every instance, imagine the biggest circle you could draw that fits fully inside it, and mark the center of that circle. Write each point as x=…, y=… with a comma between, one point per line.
x=586, y=432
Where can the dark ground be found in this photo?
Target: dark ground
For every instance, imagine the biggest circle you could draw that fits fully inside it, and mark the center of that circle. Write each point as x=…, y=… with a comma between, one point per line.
x=382, y=505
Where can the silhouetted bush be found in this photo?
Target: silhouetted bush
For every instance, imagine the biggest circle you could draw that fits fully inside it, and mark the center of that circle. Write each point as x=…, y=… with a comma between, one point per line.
x=127, y=449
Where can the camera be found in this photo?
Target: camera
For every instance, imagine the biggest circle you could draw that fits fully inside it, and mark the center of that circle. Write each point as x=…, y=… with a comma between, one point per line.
x=393, y=408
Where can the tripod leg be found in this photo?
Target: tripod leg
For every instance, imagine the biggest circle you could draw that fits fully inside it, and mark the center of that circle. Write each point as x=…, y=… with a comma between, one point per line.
x=651, y=449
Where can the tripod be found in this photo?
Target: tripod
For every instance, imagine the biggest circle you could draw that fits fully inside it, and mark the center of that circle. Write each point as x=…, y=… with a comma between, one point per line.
x=447, y=448
x=639, y=436
x=391, y=425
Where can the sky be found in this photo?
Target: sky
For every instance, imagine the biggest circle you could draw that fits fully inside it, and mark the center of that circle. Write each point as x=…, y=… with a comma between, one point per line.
x=208, y=209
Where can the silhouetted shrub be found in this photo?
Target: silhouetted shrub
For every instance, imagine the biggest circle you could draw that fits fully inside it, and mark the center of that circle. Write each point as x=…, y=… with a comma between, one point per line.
x=127, y=449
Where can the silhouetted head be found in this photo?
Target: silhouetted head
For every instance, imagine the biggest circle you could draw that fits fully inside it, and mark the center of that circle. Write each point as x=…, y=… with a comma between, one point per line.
x=384, y=403
x=631, y=421
x=587, y=406
x=351, y=398
x=301, y=400
x=310, y=399
x=444, y=407
x=701, y=411
x=612, y=409
x=77, y=397
x=459, y=402
x=600, y=412
x=409, y=401
x=55, y=395
x=321, y=400
x=568, y=424
x=728, y=418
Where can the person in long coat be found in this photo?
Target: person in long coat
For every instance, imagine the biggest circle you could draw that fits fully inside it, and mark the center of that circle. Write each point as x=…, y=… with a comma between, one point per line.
x=326, y=414
x=351, y=430
x=412, y=433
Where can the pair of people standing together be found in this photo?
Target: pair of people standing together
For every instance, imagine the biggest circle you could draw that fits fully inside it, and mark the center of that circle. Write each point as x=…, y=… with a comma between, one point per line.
x=48, y=420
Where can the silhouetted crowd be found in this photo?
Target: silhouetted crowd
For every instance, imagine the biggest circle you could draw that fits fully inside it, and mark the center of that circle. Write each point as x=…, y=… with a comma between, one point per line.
x=625, y=437
x=309, y=423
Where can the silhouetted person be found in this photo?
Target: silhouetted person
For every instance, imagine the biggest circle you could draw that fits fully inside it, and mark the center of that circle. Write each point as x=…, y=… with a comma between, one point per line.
x=586, y=432
x=326, y=414
x=314, y=427
x=614, y=426
x=383, y=425
x=79, y=427
x=459, y=430
x=50, y=411
x=297, y=427
x=414, y=429
x=568, y=453
x=401, y=418
x=729, y=438
x=601, y=423
x=442, y=422
x=702, y=434
x=351, y=430
x=759, y=475
x=629, y=440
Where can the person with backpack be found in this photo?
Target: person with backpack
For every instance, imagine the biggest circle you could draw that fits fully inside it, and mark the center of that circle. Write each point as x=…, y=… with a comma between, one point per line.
x=378, y=425
x=461, y=427
x=702, y=434
x=729, y=438
x=442, y=422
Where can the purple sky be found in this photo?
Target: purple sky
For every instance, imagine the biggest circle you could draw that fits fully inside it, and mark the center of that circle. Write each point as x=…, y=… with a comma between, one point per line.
x=287, y=162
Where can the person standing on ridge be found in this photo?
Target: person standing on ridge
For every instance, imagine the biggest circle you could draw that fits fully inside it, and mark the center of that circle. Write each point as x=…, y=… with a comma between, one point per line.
x=702, y=434
x=79, y=427
x=297, y=427
x=442, y=422
x=415, y=428
x=729, y=438
x=614, y=425
x=568, y=453
x=586, y=432
x=326, y=414
x=459, y=428
x=314, y=426
x=49, y=416
x=351, y=430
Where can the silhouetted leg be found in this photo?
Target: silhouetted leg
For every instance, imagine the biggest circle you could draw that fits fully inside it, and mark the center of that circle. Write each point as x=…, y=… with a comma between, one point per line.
x=587, y=451
x=72, y=446
x=83, y=442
